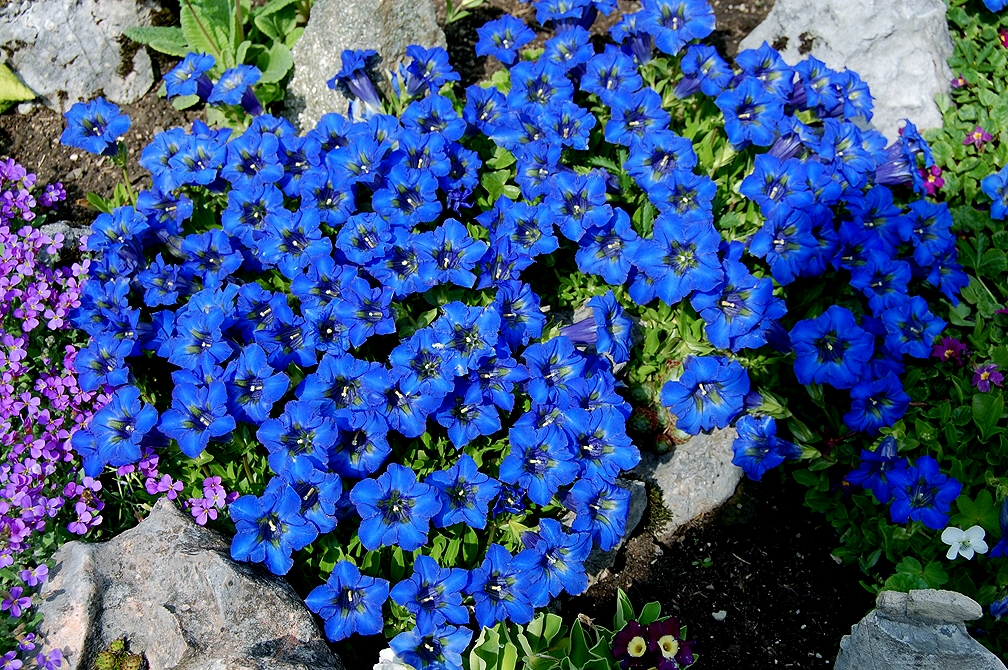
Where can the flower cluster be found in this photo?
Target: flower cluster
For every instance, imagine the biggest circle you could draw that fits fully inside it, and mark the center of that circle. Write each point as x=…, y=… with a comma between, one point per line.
x=660, y=646
x=17, y=197
x=370, y=310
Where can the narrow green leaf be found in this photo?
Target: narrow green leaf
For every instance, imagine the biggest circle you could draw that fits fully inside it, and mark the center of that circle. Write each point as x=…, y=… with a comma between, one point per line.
x=168, y=40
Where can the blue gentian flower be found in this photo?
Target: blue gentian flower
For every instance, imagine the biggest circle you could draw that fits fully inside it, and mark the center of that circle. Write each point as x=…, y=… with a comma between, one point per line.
x=538, y=461
x=521, y=318
x=428, y=70
x=454, y=252
x=269, y=528
x=365, y=310
x=254, y=386
x=632, y=33
x=502, y=38
x=569, y=49
x=537, y=84
x=687, y=194
x=292, y=241
x=470, y=332
x=119, y=428
x=602, y=447
x=210, y=257
x=610, y=75
x=322, y=189
x=657, y=157
x=349, y=602
x=245, y=216
x=786, y=242
x=465, y=494
x=774, y=181
x=854, y=95
x=300, y=433
x=612, y=327
x=235, y=88
x=409, y=198
x=704, y=69
x=467, y=416
x=362, y=446
x=537, y=163
x=681, y=257
x=252, y=160
x=813, y=79
x=484, y=108
x=676, y=22
x=709, y=394
x=883, y=280
x=197, y=161
x=95, y=127
x=604, y=250
x=499, y=589
x=395, y=509
x=425, y=362
x=102, y=362
x=162, y=283
x=738, y=312
x=353, y=80
x=156, y=155
x=931, y=233
x=322, y=282
x=289, y=339
x=434, y=114
x=831, y=349
x=766, y=66
x=497, y=375
x=876, y=404
x=165, y=212
x=364, y=237
x=751, y=113
x=998, y=608
x=554, y=561
x=197, y=414
x=635, y=115
x=757, y=447
x=911, y=328
x=601, y=508
x=433, y=594
x=578, y=202
x=318, y=490
x=351, y=385
x=511, y=500
x=432, y=647
x=298, y=155
x=999, y=549
x=995, y=186
x=873, y=471
x=947, y=275
x=555, y=369
x=190, y=76
x=922, y=493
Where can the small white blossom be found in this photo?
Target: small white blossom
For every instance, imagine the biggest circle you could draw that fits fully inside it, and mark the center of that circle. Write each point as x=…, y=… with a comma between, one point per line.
x=964, y=543
x=387, y=660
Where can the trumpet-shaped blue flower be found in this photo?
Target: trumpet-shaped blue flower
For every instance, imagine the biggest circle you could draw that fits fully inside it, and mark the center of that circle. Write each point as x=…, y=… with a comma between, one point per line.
x=603, y=250
x=757, y=447
x=500, y=589
x=366, y=311
x=466, y=415
x=555, y=370
x=502, y=38
x=554, y=561
x=253, y=385
x=601, y=443
x=877, y=404
x=786, y=242
x=469, y=332
x=102, y=362
x=635, y=116
x=873, y=471
x=539, y=461
x=119, y=428
x=430, y=647
x=657, y=157
x=911, y=328
x=610, y=75
x=922, y=493
x=709, y=394
x=95, y=127
x=197, y=414
x=995, y=186
x=353, y=80
x=190, y=76
x=676, y=22
x=751, y=113
x=465, y=494
x=831, y=349
x=269, y=528
x=349, y=602
x=395, y=509
x=362, y=446
x=602, y=509
x=433, y=594
x=300, y=433
x=318, y=490
x=704, y=69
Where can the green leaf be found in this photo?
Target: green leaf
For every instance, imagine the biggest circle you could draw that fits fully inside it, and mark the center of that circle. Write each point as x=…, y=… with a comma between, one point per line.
x=905, y=582
x=579, y=651
x=206, y=26
x=98, y=203
x=987, y=410
x=168, y=40
x=649, y=614
x=624, y=611
x=279, y=63
x=979, y=512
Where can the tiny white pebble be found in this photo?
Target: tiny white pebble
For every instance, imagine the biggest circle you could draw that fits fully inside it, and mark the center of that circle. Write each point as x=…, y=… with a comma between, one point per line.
x=73, y=157
x=719, y=615
x=803, y=626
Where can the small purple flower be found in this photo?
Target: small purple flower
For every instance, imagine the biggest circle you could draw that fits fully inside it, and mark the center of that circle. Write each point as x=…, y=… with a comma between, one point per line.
x=985, y=375
x=950, y=349
x=977, y=137
x=959, y=82
x=36, y=576
x=15, y=602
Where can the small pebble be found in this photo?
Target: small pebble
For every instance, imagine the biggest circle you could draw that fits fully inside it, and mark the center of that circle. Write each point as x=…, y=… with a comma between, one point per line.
x=25, y=107
x=658, y=551
x=73, y=157
x=709, y=587
x=818, y=655
x=719, y=615
x=803, y=626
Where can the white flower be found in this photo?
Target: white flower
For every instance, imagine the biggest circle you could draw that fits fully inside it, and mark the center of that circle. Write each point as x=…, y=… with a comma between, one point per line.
x=964, y=543
x=387, y=660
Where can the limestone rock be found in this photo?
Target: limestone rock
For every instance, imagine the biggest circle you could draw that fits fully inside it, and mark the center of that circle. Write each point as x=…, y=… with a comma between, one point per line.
x=899, y=47
x=695, y=478
x=920, y=630
x=69, y=50
x=387, y=26
x=171, y=589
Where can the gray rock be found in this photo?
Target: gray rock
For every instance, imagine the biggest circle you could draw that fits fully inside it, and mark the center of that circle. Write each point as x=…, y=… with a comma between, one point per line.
x=387, y=26
x=599, y=561
x=171, y=589
x=899, y=47
x=71, y=239
x=695, y=478
x=920, y=630
x=69, y=50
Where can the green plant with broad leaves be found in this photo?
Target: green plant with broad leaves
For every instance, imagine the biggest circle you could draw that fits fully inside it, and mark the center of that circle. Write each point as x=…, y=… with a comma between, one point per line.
x=234, y=33
x=12, y=90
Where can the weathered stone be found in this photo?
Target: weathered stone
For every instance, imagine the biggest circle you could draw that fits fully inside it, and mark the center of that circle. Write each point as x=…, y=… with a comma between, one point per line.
x=922, y=630
x=171, y=589
x=387, y=26
x=695, y=478
x=598, y=560
x=69, y=50
x=899, y=47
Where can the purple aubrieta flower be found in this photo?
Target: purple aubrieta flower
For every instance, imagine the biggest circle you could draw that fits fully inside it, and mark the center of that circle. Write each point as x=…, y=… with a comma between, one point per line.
x=95, y=127
x=349, y=602
x=922, y=493
x=985, y=375
x=35, y=576
x=15, y=603
x=395, y=509
x=269, y=528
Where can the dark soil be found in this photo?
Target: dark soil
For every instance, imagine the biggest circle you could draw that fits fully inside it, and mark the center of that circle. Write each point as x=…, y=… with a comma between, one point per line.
x=32, y=139
x=764, y=559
